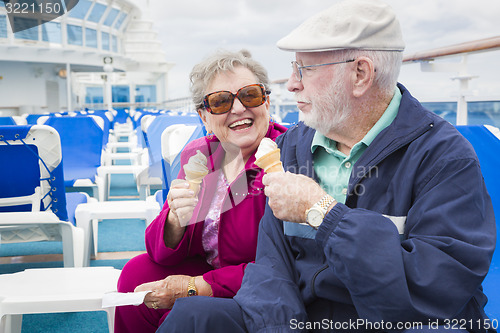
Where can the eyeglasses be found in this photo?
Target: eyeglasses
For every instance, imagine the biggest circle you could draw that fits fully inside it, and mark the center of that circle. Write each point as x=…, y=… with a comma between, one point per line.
x=220, y=102
x=297, y=69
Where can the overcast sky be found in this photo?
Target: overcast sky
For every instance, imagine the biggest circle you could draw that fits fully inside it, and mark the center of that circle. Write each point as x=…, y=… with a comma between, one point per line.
x=191, y=29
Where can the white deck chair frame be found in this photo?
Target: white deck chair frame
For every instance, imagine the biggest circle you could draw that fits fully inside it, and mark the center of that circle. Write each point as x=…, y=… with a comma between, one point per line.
x=42, y=225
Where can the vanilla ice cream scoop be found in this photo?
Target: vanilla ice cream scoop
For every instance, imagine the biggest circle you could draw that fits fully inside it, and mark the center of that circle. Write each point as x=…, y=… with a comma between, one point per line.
x=195, y=169
x=267, y=156
x=266, y=146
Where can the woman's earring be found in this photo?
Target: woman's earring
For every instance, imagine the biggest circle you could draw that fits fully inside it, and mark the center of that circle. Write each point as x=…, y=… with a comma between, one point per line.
x=272, y=121
x=210, y=135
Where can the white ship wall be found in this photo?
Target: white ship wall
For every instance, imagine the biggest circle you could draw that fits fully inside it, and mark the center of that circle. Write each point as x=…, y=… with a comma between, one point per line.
x=29, y=80
x=31, y=88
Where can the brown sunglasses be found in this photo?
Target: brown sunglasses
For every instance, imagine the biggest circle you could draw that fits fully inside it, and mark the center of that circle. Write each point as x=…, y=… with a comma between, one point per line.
x=220, y=102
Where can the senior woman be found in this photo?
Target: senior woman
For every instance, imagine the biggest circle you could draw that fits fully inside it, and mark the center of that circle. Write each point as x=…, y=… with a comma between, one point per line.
x=200, y=244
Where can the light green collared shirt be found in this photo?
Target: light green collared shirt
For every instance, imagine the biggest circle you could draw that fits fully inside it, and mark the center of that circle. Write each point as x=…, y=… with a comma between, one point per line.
x=334, y=167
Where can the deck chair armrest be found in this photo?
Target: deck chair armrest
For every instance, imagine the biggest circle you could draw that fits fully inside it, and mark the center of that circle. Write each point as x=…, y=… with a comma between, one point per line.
x=33, y=199
x=28, y=218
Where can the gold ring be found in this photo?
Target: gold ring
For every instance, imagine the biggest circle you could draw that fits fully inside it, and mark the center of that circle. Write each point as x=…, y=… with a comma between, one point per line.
x=154, y=305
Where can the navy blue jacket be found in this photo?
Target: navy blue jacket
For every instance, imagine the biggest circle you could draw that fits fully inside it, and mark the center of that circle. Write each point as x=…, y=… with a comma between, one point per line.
x=418, y=173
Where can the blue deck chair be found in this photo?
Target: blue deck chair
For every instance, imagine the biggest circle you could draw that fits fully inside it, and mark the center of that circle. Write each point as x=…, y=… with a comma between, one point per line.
x=107, y=118
x=121, y=116
x=487, y=147
x=82, y=143
x=173, y=140
x=151, y=178
x=33, y=202
x=292, y=117
x=154, y=132
x=31, y=119
x=7, y=121
x=141, y=140
x=145, y=121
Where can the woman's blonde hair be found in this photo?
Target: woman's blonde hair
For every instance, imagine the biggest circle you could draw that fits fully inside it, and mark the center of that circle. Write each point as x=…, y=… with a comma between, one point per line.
x=221, y=61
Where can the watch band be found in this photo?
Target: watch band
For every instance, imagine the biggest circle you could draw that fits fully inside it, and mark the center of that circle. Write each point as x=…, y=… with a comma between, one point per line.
x=321, y=207
x=192, y=291
x=325, y=202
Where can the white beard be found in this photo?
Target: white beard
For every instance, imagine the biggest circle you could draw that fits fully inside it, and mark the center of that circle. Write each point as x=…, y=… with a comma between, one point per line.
x=330, y=111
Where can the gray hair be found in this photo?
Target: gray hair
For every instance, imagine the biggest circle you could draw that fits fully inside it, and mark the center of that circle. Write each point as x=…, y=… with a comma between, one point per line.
x=221, y=61
x=387, y=63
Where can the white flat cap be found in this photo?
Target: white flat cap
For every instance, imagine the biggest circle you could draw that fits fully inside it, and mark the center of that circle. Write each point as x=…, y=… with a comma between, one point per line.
x=351, y=24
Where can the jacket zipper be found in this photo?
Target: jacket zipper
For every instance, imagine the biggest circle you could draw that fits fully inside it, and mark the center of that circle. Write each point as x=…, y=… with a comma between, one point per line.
x=313, y=279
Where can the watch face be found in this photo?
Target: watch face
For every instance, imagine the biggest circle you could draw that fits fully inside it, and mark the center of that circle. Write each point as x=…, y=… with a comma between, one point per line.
x=315, y=217
x=191, y=292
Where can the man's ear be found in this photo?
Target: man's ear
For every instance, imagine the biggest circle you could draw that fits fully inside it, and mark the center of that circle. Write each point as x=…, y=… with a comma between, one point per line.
x=365, y=74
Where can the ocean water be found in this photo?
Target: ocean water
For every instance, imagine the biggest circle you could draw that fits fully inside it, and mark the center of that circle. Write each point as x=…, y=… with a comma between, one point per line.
x=479, y=113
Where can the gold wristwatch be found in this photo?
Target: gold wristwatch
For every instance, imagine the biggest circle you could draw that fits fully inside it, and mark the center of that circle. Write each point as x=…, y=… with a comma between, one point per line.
x=192, y=291
x=316, y=214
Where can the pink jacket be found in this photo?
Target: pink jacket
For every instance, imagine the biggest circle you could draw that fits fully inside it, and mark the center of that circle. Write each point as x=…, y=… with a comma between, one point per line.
x=242, y=210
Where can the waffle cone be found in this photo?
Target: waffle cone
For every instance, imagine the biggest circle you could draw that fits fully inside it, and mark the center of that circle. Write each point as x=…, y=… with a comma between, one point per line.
x=194, y=175
x=275, y=168
x=270, y=162
x=194, y=185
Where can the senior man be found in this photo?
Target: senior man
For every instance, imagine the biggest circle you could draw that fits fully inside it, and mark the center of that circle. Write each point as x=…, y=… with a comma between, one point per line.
x=382, y=222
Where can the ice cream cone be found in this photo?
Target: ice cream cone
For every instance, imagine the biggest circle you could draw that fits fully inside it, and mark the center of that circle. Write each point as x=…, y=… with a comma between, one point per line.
x=195, y=170
x=195, y=175
x=270, y=162
x=194, y=185
x=275, y=168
